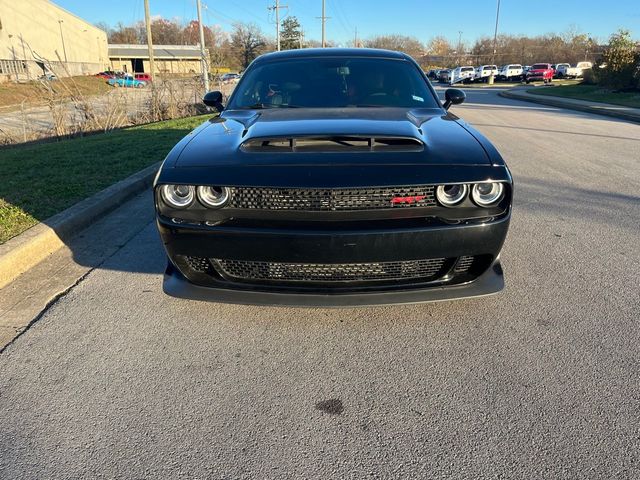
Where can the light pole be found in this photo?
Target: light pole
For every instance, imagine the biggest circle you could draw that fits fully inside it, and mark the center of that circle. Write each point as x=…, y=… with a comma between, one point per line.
x=64, y=49
x=495, y=41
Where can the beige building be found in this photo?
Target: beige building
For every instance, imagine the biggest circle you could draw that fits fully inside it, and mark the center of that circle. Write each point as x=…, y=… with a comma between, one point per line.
x=168, y=59
x=37, y=36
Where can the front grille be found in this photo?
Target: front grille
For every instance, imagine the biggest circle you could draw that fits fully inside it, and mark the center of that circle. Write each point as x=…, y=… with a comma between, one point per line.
x=330, y=272
x=463, y=264
x=317, y=199
x=198, y=264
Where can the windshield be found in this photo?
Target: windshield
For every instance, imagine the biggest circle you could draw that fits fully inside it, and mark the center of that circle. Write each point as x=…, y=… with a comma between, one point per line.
x=331, y=82
x=539, y=66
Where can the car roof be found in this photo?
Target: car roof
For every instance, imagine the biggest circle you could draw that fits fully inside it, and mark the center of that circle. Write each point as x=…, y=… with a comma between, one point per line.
x=331, y=52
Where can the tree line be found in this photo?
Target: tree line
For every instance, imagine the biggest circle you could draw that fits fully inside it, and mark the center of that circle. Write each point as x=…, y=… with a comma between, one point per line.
x=237, y=48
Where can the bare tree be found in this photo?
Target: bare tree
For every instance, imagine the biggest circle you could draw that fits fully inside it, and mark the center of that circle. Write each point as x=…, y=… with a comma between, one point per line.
x=127, y=34
x=165, y=32
x=402, y=43
x=247, y=42
x=439, y=47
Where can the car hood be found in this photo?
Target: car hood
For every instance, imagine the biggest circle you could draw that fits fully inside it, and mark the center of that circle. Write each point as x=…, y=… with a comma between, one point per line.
x=445, y=139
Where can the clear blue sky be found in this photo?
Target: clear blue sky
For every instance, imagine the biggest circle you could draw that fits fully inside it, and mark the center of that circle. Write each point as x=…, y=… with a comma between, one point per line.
x=420, y=18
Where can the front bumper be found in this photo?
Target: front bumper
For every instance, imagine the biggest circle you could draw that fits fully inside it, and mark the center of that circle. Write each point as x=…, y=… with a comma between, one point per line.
x=489, y=283
x=482, y=241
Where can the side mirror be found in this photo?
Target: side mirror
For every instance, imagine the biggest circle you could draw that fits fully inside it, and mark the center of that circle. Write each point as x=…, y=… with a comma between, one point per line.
x=453, y=96
x=213, y=99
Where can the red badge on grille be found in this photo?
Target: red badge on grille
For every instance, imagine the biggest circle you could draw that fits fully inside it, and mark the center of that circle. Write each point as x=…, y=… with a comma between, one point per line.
x=407, y=200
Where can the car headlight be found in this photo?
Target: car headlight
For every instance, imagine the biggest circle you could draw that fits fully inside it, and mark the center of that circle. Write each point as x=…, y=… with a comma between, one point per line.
x=450, y=195
x=487, y=194
x=178, y=196
x=213, y=197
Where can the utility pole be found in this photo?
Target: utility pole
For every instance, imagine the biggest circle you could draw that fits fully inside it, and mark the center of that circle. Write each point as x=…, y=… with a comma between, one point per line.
x=495, y=41
x=147, y=21
x=64, y=49
x=324, y=21
x=203, y=52
x=459, y=45
x=355, y=39
x=277, y=8
x=278, y=23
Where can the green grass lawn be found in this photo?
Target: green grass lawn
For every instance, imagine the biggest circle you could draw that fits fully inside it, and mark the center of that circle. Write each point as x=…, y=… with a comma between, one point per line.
x=593, y=93
x=38, y=181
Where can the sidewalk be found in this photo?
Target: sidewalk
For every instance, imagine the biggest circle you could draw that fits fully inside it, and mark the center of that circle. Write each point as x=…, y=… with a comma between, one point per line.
x=617, y=111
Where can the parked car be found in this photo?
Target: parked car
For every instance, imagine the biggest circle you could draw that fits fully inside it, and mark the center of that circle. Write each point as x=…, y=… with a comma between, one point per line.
x=483, y=72
x=462, y=74
x=106, y=74
x=230, y=77
x=144, y=77
x=313, y=198
x=433, y=73
x=510, y=72
x=127, y=81
x=444, y=75
x=540, y=72
x=557, y=66
x=567, y=71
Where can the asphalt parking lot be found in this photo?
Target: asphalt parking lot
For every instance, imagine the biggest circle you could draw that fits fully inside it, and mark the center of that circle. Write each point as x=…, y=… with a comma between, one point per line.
x=117, y=380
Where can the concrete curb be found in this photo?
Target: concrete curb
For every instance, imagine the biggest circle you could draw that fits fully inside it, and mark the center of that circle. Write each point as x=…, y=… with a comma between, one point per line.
x=557, y=102
x=26, y=250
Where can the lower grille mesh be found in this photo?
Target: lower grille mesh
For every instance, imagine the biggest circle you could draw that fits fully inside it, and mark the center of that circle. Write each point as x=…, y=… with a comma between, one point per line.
x=464, y=263
x=198, y=264
x=318, y=199
x=330, y=272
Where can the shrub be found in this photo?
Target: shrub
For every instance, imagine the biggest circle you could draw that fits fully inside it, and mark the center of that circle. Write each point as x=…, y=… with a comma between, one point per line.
x=620, y=59
x=591, y=76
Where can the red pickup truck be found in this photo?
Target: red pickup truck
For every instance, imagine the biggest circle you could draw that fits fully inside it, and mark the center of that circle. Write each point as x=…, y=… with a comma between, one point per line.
x=540, y=71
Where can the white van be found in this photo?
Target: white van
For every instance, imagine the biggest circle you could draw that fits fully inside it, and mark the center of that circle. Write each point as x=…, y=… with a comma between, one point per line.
x=511, y=72
x=460, y=74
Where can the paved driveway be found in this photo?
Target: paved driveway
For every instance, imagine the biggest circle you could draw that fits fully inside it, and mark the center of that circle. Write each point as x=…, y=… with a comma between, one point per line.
x=117, y=380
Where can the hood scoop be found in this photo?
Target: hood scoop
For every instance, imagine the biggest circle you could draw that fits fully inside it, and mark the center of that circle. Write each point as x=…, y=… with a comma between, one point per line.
x=333, y=143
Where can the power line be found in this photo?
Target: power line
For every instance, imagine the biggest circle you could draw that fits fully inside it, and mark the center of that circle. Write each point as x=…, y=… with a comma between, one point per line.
x=340, y=17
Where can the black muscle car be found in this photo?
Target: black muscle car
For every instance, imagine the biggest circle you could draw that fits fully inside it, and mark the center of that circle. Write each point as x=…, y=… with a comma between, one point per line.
x=333, y=177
